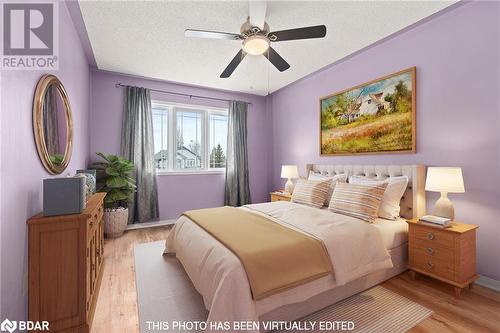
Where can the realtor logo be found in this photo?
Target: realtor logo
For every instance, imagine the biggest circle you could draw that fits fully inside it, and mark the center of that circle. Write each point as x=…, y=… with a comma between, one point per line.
x=8, y=326
x=29, y=35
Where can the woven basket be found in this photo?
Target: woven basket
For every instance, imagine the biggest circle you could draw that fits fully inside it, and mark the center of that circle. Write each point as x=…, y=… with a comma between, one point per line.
x=115, y=221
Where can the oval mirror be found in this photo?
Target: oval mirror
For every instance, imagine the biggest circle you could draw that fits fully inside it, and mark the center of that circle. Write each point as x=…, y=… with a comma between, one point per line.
x=52, y=124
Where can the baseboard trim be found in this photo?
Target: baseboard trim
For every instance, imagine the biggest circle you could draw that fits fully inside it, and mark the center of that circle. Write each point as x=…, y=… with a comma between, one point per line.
x=488, y=282
x=150, y=224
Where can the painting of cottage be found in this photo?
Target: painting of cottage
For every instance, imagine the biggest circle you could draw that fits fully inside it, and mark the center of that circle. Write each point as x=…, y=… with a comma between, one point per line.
x=375, y=117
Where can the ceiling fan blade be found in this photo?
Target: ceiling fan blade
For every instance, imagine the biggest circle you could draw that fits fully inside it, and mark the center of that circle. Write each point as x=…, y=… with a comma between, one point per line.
x=277, y=60
x=211, y=34
x=233, y=64
x=257, y=13
x=317, y=31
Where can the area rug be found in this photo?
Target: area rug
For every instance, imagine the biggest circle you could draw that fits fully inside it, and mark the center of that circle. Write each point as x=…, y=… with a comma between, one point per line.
x=375, y=310
x=165, y=294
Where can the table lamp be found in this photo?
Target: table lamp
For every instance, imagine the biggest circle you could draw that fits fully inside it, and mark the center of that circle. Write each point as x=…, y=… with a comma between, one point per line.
x=290, y=172
x=445, y=180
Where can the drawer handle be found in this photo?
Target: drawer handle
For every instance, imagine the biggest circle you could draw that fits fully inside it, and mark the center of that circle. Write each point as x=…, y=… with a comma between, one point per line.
x=430, y=250
x=91, y=223
x=98, y=252
x=430, y=265
x=430, y=236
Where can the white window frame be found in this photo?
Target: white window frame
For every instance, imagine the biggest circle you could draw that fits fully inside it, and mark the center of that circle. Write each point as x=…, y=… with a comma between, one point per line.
x=206, y=111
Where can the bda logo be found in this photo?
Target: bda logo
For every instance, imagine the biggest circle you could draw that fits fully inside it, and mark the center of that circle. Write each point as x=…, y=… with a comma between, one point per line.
x=8, y=325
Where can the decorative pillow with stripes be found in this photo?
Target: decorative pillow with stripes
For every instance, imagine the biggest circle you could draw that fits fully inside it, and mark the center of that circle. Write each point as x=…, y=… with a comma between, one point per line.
x=341, y=177
x=311, y=192
x=356, y=200
x=396, y=187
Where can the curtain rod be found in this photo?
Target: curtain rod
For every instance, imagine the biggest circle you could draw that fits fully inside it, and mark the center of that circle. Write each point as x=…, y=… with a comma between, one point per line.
x=119, y=85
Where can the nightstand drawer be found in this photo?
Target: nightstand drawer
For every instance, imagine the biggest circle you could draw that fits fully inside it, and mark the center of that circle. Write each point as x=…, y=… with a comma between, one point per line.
x=440, y=268
x=427, y=250
x=433, y=236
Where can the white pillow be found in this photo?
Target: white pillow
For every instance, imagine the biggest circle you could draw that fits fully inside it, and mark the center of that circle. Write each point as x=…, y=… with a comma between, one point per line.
x=396, y=187
x=341, y=177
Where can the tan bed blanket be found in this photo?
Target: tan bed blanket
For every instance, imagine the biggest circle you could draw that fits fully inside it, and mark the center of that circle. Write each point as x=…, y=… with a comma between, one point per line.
x=275, y=257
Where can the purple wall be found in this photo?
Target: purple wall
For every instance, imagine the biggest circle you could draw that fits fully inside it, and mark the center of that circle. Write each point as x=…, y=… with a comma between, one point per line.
x=178, y=193
x=458, y=111
x=21, y=170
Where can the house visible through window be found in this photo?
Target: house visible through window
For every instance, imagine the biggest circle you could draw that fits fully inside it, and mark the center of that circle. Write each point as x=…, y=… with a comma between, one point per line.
x=188, y=137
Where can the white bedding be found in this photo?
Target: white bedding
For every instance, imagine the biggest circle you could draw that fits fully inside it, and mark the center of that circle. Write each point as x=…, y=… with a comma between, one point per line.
x=394, y=232
x=356, y=248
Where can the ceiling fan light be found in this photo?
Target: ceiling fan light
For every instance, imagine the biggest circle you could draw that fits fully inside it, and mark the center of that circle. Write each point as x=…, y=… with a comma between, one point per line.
x=256, y=45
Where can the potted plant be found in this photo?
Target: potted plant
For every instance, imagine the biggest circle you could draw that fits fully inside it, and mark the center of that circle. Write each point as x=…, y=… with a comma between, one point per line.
x=113, y=177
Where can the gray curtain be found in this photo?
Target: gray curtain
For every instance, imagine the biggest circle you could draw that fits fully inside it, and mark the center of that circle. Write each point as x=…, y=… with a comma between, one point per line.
x=237, y=189
x=137, y=146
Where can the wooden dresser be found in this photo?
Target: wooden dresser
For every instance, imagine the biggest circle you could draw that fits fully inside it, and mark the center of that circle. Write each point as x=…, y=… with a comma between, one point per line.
x=447, y=254
x=65, y=267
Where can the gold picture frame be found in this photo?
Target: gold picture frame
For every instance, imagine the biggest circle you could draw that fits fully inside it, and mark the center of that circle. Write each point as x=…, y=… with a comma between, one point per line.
x=375, y=117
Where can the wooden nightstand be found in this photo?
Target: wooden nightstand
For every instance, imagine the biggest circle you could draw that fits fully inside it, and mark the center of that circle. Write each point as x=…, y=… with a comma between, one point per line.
x=447, y=254
x=275, y=196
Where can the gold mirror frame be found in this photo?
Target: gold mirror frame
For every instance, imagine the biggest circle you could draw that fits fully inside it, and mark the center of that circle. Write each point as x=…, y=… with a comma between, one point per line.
x=43, y=84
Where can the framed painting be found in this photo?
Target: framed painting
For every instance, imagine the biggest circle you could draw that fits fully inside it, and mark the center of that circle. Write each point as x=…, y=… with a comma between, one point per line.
x=376, y=117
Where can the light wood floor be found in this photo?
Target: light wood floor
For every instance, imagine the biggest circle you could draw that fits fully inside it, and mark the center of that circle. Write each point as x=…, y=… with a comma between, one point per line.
x=478, y=310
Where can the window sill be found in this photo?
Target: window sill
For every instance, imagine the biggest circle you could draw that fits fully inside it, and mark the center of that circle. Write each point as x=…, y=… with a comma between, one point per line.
x=190, y=172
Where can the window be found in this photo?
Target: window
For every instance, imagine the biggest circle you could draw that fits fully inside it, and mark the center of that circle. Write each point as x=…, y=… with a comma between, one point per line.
x=218, y=140
x=189, y=138
x=160, y=130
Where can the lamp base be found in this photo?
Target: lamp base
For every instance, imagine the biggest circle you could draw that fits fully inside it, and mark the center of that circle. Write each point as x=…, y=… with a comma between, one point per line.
x=289, y=186
x=444, y=207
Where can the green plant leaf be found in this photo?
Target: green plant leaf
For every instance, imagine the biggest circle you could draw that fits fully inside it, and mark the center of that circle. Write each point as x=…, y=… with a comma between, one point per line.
x=103, y=156
x=110, y=170
x=112, y=158
x=116, y=195
x=113, y=175
x=116, y=182
x=99, y=165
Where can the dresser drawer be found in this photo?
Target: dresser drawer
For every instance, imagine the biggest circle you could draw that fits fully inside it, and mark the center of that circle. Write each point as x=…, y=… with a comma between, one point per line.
x=432, y=265
x=429, y=236
x=429, y=250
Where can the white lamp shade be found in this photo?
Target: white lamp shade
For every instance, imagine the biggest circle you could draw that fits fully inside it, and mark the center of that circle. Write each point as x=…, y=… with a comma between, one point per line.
x=444, y=179
x=289, y=171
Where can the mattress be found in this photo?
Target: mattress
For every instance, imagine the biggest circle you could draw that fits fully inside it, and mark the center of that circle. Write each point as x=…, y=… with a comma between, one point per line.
x=394, y=233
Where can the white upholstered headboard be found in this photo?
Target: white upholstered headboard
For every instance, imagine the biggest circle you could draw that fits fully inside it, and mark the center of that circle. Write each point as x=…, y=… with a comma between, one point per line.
x=413, y=200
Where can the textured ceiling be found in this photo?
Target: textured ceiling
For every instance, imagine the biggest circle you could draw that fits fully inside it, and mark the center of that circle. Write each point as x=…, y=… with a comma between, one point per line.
x=147, y=38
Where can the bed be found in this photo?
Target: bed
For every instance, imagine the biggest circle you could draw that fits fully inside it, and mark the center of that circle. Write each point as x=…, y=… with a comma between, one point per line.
x=218, y=275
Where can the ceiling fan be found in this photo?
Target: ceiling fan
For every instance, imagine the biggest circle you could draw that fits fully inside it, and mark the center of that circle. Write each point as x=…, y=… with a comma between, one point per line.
x=257, y=38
